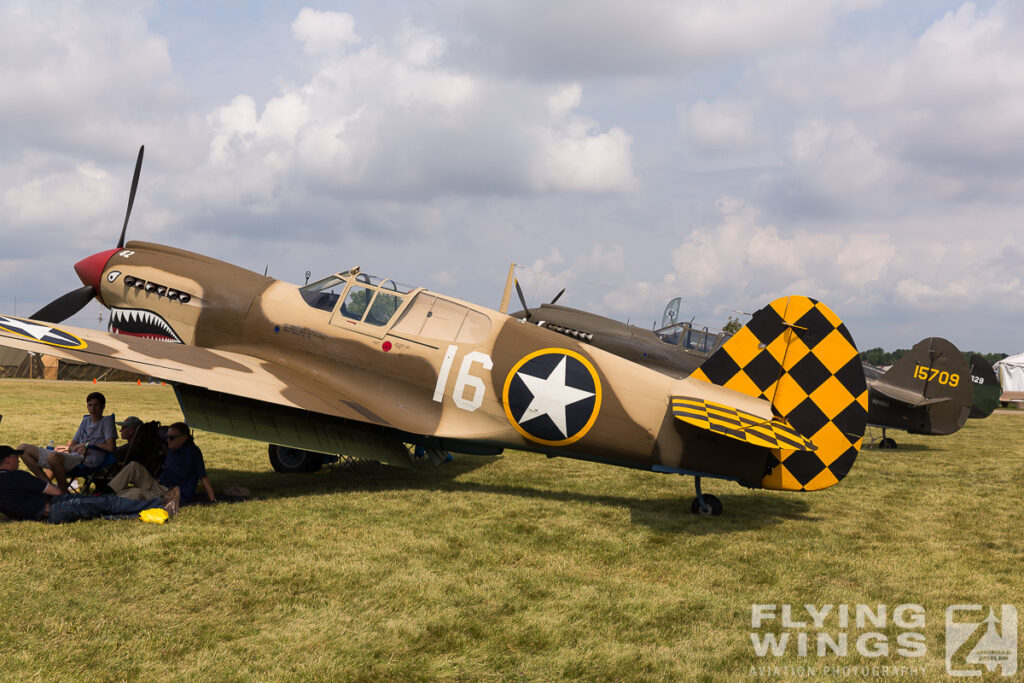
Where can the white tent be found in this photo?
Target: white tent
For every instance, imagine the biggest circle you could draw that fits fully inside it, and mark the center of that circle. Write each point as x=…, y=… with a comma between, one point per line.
x=1010, y=371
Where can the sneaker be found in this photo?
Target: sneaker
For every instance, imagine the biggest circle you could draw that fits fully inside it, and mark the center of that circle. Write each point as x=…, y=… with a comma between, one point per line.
x=171, y=500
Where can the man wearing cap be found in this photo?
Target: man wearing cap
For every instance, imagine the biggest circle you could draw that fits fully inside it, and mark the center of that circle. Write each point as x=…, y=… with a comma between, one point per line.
x=128, y=428
x=23, y=496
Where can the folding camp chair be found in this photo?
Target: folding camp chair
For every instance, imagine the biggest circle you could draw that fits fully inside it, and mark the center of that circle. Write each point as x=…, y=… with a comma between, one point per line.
x=148, y=448
x=93, y=477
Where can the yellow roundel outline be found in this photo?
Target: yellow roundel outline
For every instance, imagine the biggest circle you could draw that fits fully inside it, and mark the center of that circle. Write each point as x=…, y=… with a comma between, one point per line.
x=597, y=396
x=81, y=344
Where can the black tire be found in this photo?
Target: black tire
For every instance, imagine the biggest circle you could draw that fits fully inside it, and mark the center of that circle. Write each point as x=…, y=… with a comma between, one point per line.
x=887, y=443
x=293, y=460
x=713, y=509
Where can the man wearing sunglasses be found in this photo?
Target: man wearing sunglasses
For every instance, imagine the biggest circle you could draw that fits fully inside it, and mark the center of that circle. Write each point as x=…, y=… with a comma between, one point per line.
x=184, y=469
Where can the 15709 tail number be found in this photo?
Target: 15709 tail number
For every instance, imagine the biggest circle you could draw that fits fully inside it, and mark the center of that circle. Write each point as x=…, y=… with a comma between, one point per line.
x=935, y=375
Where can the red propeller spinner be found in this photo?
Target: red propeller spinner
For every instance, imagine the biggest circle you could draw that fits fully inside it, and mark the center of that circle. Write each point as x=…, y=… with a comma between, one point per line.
x=90, y=269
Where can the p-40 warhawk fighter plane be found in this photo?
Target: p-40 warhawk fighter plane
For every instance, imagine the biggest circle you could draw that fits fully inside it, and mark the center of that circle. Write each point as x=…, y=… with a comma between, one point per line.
x=362, y=365
x=930, y=390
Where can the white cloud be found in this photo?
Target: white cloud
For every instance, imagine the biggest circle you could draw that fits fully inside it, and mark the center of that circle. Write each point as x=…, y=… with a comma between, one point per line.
x=325, y=33
x=88, y=193
x=726, y=132
x=739, y=259
x=602, y=37
x=84, y=77
x=389, y=119
x=934, y=118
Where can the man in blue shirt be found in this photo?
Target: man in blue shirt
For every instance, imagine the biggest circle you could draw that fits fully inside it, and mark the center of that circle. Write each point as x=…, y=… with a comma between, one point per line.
x=23, y=496
x=184, y=469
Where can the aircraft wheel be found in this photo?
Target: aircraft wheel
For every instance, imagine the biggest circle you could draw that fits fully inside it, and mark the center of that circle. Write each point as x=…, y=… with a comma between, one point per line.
x=712, y=506
x=887, y=443
x=292, y=460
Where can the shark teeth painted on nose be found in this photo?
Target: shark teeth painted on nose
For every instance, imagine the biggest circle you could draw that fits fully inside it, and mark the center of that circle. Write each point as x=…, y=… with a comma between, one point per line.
x=134, y=322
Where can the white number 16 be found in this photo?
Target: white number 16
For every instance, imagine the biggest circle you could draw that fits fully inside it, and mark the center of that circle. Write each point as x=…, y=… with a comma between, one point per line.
x=464, y=380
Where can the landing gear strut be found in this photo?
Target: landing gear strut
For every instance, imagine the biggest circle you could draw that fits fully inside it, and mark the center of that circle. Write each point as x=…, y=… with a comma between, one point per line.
x=886, y=442
x=705, y=504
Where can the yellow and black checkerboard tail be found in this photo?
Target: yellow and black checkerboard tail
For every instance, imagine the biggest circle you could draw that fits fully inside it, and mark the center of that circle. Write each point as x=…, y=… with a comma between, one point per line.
x=798, y=355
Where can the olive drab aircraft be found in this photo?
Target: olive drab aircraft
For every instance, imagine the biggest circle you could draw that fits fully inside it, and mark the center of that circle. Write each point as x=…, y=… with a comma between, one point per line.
x=986, y=388
x=362, y=365
x=930, y=390
x=675, y=349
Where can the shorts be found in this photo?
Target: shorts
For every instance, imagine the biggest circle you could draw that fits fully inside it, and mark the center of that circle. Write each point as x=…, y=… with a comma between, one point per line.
x=70, y=459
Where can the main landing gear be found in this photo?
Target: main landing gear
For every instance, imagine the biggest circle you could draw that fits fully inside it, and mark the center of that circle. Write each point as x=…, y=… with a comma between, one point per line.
x=886, y=442
x=705, y=504
x=294, y=460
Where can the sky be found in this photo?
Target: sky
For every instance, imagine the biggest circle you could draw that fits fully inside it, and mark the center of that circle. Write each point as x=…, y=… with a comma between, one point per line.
x=865, y=153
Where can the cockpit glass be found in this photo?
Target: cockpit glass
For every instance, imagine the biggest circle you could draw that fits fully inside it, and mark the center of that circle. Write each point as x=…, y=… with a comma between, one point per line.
x=323, y=294
x=683, y=334
x=383, y=308
x=356, y=302
x=384, y=283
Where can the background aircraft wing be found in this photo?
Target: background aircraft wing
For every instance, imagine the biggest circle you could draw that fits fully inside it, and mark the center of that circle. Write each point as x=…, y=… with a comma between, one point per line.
x=222, y=371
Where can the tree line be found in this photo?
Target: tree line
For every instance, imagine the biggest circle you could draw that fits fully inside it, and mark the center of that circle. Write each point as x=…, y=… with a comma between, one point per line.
x=880, y=357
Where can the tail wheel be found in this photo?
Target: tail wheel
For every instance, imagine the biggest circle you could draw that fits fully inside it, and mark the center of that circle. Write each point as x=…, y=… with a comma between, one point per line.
x=293, y=460
x=887, y=443
x=712, y=506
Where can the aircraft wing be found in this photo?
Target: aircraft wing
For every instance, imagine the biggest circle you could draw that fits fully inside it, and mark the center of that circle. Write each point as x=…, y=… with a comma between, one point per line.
x=907, y=396
x=217, y=370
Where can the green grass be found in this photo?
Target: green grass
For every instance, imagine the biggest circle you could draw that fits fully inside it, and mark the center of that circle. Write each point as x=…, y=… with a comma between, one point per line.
x=493, y=568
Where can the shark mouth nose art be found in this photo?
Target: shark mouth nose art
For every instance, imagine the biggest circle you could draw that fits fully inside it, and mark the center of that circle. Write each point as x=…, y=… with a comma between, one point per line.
x=135, y=322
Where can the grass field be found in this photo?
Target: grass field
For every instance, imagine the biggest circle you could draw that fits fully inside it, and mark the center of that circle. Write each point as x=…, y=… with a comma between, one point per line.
x=494, y=568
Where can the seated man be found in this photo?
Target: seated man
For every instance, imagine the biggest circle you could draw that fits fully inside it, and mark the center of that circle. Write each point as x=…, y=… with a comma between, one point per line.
x=96, y=429
x=23, y=496
x=130, y=425
x=184, y=468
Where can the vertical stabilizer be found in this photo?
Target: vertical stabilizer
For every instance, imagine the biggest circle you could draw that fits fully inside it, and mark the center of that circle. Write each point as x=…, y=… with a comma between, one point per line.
x=798, y=355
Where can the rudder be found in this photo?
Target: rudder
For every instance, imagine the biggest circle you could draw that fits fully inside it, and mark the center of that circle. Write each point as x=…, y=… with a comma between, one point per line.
x=798, y=355
x=986, y=388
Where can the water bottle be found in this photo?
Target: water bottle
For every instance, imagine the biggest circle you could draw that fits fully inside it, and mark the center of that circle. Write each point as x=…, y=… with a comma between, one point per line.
x=50, y=446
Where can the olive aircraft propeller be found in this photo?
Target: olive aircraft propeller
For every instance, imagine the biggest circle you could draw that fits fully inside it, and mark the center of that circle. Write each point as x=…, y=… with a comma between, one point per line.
x=362, y=365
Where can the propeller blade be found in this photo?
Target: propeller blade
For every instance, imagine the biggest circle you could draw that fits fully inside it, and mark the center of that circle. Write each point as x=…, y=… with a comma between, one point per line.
x=558, y=296
x=131, y=198
x=522, y=299
x=63, y=307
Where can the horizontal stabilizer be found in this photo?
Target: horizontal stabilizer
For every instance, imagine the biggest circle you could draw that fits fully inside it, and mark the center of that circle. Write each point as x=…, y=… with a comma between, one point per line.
x=738, y=424
x=911, y=398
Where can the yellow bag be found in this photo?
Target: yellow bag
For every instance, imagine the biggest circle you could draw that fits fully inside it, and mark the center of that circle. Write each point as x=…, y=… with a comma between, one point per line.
x=154, y=515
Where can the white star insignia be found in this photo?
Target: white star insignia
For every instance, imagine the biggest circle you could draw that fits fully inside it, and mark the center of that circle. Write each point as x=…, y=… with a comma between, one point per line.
x=551, y=396
x=30, y=329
